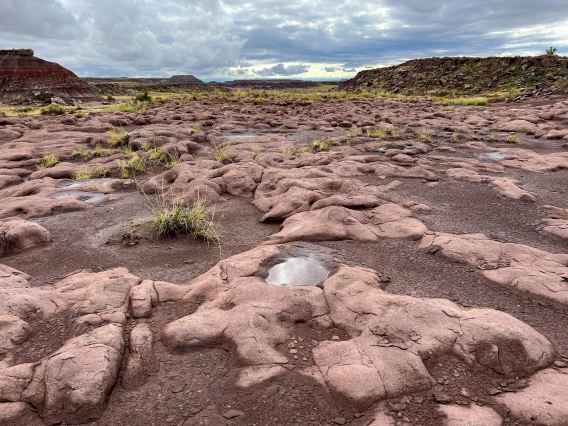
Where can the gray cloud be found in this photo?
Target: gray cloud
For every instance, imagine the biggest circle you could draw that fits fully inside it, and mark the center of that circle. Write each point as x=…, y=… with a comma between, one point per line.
x=281, y=70
x=226, y=38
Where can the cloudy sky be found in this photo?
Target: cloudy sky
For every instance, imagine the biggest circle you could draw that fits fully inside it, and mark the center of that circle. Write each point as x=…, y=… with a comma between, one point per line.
x=318, y=39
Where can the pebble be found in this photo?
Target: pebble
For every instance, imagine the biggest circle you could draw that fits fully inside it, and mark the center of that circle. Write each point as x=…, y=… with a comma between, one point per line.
x=560, y=364
x=231, y=414
x=339, y=421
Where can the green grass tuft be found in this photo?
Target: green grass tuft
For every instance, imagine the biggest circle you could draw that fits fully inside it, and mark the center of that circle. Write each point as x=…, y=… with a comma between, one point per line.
x=84, y=174
x=48, y=161
x=169, y=219
x=117, y=137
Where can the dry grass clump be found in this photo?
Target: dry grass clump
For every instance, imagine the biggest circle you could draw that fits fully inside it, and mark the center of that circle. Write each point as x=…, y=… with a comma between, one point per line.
x=48, y=161
x=117, y=137
x=424, y=135
x=174, y=218
x=476, y=101
x=512, y=138
x=222, y=153
x=92, y=173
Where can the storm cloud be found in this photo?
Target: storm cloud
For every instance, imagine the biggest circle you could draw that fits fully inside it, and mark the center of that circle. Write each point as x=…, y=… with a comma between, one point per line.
x=273, y=38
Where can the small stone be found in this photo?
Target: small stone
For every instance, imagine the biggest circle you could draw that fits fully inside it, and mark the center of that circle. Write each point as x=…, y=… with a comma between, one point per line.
x=442, y=398
x=293, y=351
x=335, y=338
x=396, y=406
x=493, y=391
x=231, y=414
x=464, y=392
x=339, y=421
x=560, y=364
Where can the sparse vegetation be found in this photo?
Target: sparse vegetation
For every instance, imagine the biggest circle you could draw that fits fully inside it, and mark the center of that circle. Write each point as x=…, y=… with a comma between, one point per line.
x=255, y=149
x=173, y=218
x=374, y=132
x=47, y=161
x=53, y=109
x=352, y=133
x=196, y=128
x=79, y=115
x=117, y=137
x=512, y=138
x=424, y=135
x=222, y=153
x=143, y=97
x=91, y=173
x=83, y=152
x=454, y=137
x=492, y=137
x=551, y=51
x=135, y=164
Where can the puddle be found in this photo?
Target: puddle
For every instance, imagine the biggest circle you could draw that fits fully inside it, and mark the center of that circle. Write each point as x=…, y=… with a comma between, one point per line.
x=495, y=156
x=240, y=136
x=77, y=183
x=51, y=145
x=86, y=197
x=298, y=271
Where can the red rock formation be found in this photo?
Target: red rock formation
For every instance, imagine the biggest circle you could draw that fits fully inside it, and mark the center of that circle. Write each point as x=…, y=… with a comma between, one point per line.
x=22, y=74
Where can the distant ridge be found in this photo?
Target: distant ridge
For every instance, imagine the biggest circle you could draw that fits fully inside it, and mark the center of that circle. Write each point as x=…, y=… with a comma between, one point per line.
x=466, y=76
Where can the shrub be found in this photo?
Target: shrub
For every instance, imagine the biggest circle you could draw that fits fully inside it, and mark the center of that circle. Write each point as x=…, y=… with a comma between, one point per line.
x=48, y=161
x=174, y=218
x=117, y=136
x=492, y=137
x=551, y=51
x=143, y=97
x=53, y=109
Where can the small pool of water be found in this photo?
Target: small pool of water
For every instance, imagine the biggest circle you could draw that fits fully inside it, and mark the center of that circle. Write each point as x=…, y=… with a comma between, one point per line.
x=240, y=136
x=77, y=183
x=51, y=145
x=86, y=197
x=296, y=271
x=495, y=156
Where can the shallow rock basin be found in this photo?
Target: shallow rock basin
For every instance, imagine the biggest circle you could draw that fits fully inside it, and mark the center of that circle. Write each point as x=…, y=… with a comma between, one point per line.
x=298, y=271
x=495, y=156
x=78, y=183
x=86, y=197
x=240, y=136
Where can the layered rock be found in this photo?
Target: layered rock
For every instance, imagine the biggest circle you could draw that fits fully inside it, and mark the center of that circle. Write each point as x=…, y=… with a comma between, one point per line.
x=24, y=75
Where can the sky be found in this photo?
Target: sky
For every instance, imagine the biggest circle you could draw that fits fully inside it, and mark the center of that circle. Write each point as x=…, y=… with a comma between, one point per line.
x=318, y=39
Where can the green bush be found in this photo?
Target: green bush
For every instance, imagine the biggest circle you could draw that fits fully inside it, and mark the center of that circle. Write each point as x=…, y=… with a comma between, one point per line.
x=53, y=109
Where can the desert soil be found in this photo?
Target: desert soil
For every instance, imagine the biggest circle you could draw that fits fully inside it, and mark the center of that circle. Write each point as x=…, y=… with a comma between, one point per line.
x=444, y=230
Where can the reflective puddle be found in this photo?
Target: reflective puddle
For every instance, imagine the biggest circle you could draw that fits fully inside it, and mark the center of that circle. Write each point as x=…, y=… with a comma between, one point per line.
x=495, y=156
x=70, y=184
x=298, y=271
x=86, y=197
x=240, y=136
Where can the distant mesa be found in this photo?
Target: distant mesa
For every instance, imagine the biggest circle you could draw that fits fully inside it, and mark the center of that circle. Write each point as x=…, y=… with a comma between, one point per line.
x=27, y=79
x=184, y=79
